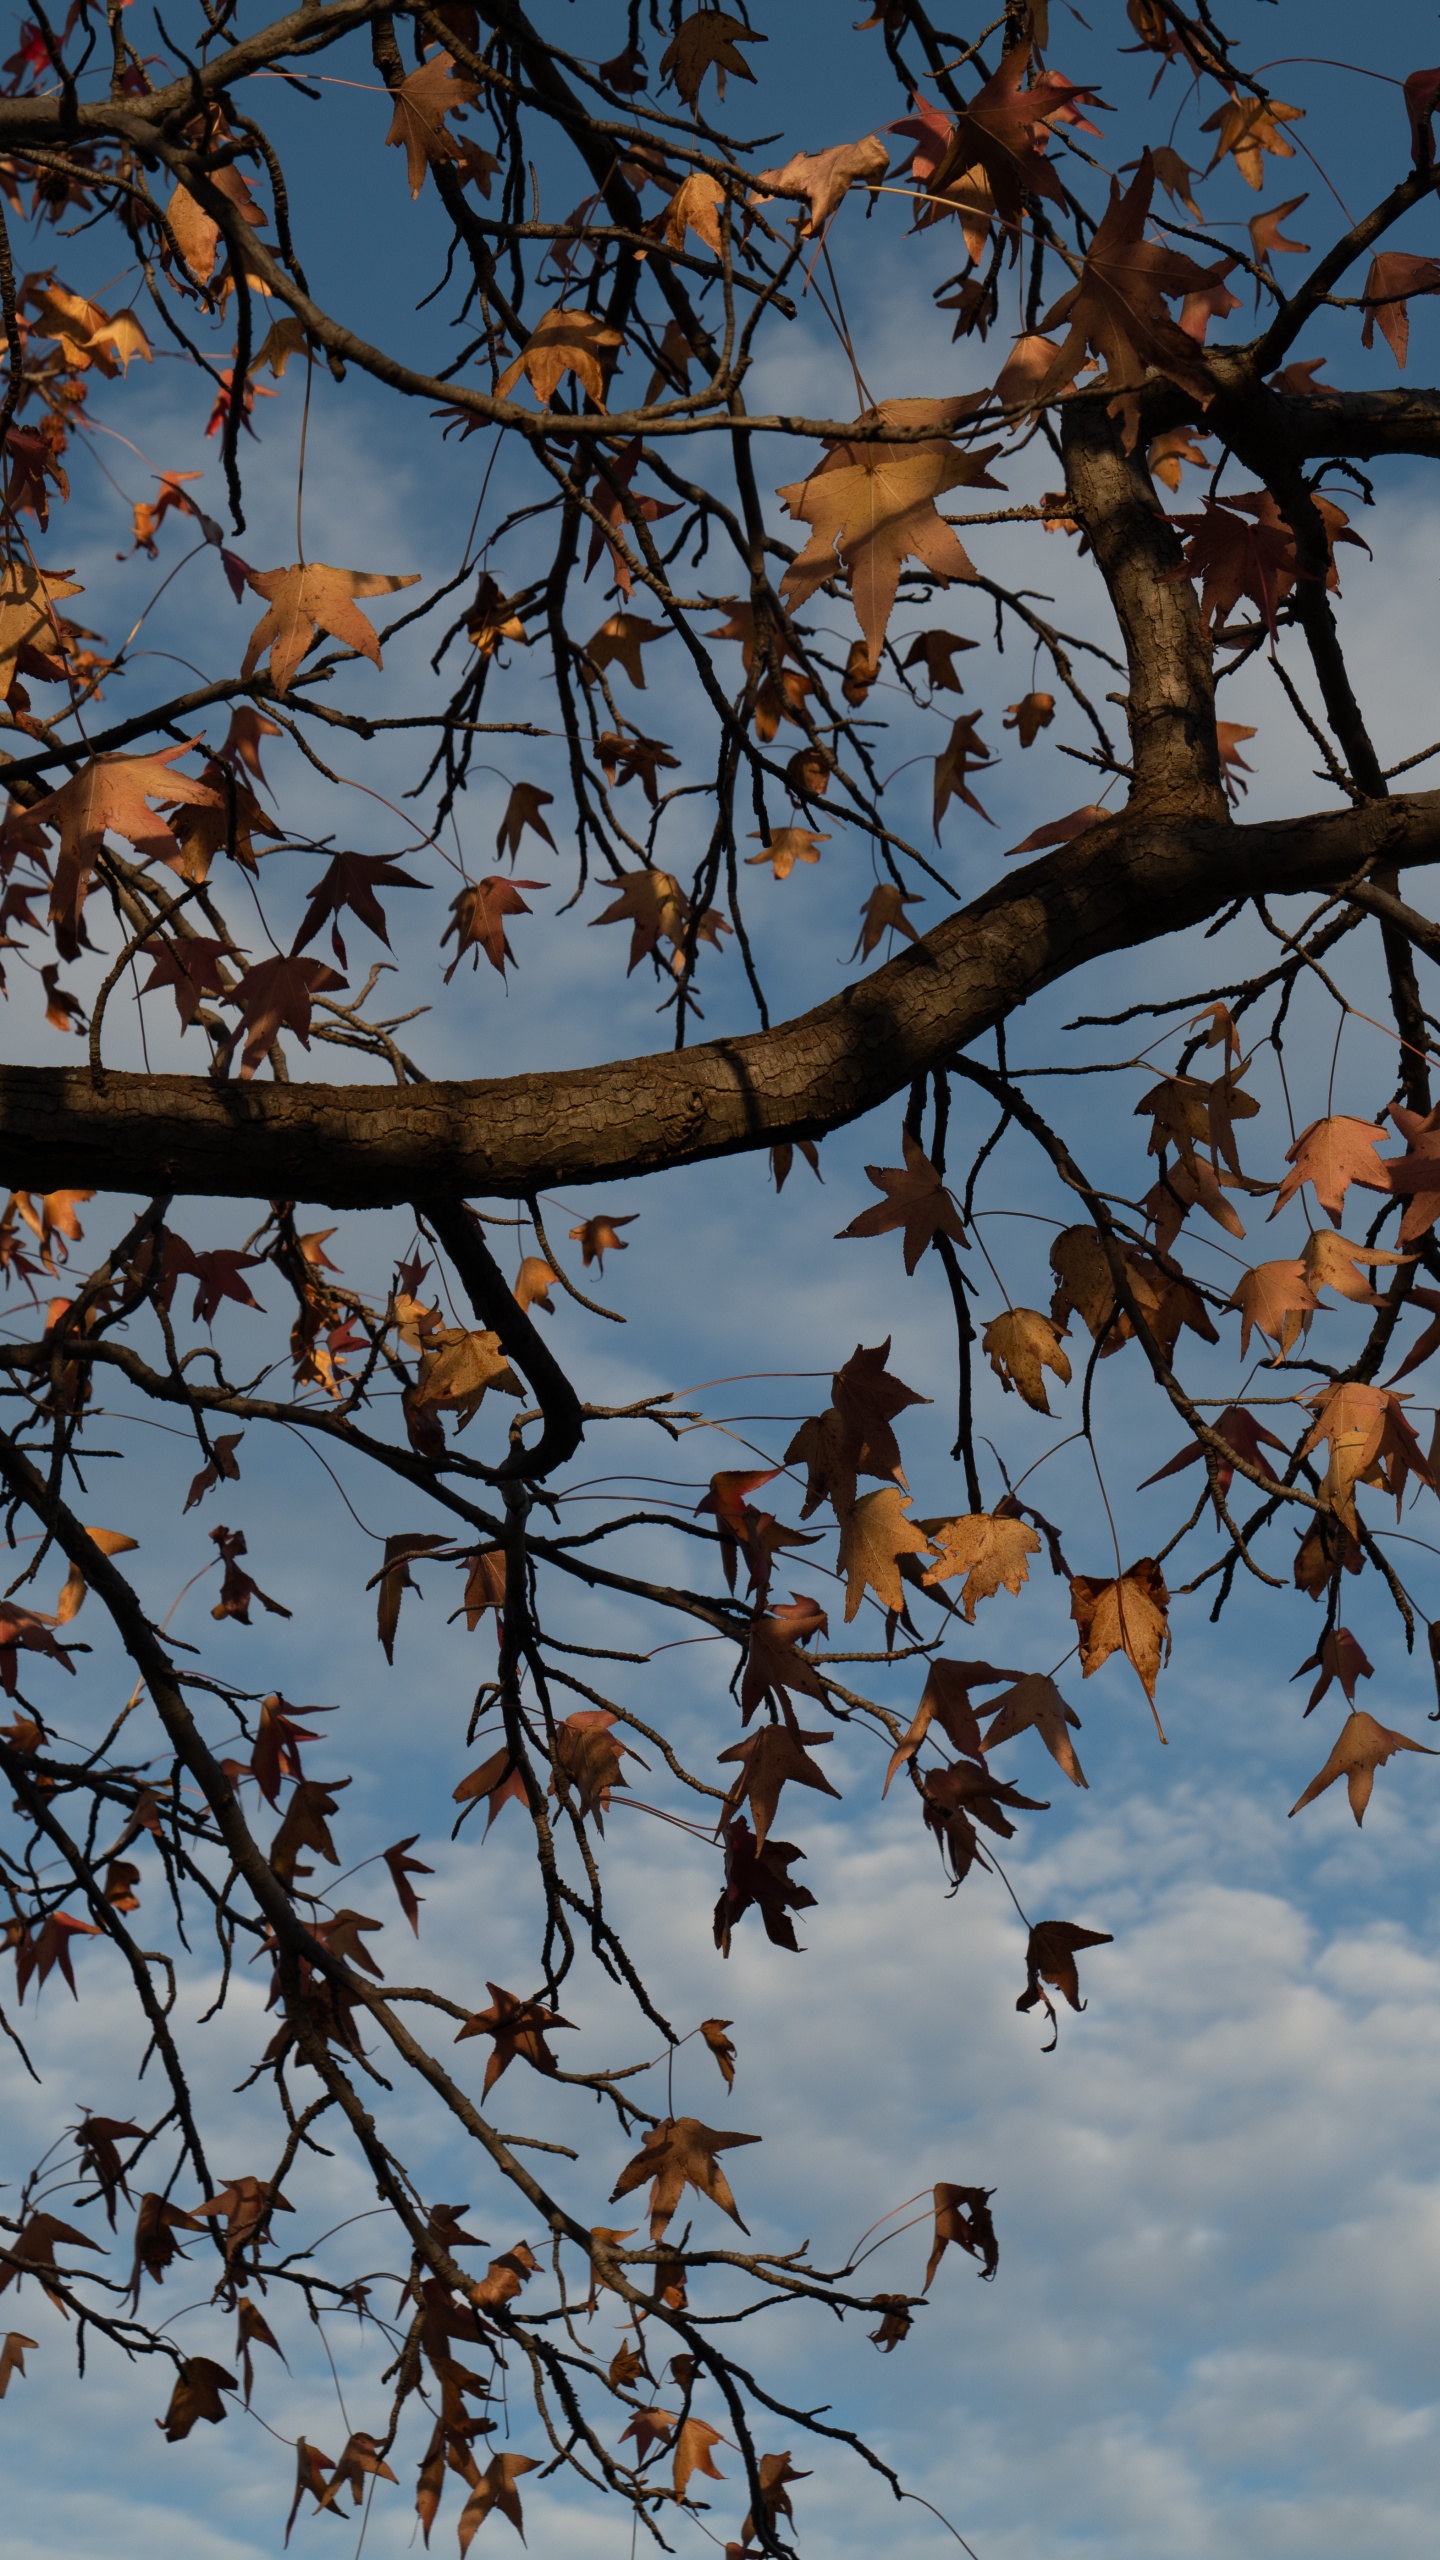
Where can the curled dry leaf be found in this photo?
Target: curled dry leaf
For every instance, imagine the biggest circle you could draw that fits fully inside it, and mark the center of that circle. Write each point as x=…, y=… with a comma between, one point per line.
x=1020, y=1345
x=962, y=2218
x=1050, y=1957
x=1362, y=1747
x=1338, y=1656
x=1032, y=713
x=823, y=178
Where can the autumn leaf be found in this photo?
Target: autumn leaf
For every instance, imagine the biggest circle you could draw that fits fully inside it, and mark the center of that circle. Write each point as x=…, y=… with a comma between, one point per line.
x=305, y=600
x=402, y=1867
x=495, y=2493
x=824, y=177
x=1050, y=1957
x=278, y=995
x=678, y=2153
x=915, y=1199
x=1393, y=276
x=692, y=2453
x=989, y=1550
x=1061, y=830
x=882, y=913
x=1415, y=1176
x=517, y=2028
x=874, y=1535
x=1032, y=713
x=111, y=1542
x=1338, y=1656
x=395, y=1578
x=524, y=809
x=870, y=507
x=1177, y=446
x=707, y=41
x=769, y=1758
x=962, y=2218
x=1244, y=1434
x=1124, y=1614
x=109, y=795
x=458, y=1368
x=1274, y=1299
x=725, y=1504
x=87, y=334
x=422, y=102
x=1330, y=1155
x=198, y=2386
x=945, y=1700
x=575, y=342
x=351, y=880
x=477, y=920
x=785, y=846
x=695, y=206
x=653, y=904
x=1248, y=127
x=1370, y=1443
x=1363, y=1746
x=774, y=1664
x=964, y=753
x=1020, y=1345
x=1118, y=306
x=1036, y=1701
x=12, y=2357
x=1267, y=237
x=1330, y=1262
x=619, y=641
x=28, y=596
x=935, y=652
x=758, y=1879
x=500, y=1780
x=718, y=2043
x=597, y=1236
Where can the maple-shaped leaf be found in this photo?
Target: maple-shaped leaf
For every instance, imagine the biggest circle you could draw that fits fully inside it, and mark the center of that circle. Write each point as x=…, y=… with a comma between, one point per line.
x=516, y=2027
x=1118, y=306
x=964, y=753
x=1020, y=1345
x=197, y=236
x=648, y=2428
x=726, y=1506
x=32, y=2249
x=1002, y=134
x=1246, y=128
x=307, y=599
x=1363, y=1746
x=28, y=596
x=635, y=759
x=351, y=880
x=597, y=1236
x=1245, y=1435
x=692, y=2453
x=1050, y=1957
x=422, y=103
x=524, y=809
x=769, y=1758
x=962, y=2217
x=990, y=1550
x=707, y=41
x=1415, y=1176
x=109, y=795
x=945, y=1700
x=871, y=507
x=499, y=1780
x=915, y=1199
x=1338, y=1656
x=678, y=2153
x=774, y=1664
x=653, y=904
x=198, y=2386
x=477, y=920
x=759, y=1879
x=785, y=846
x=87, y=334
x=1032, y=713
x=1267, y=238
x=577, y=342
x=495, y=2493
x=695, y=206
x=13, y=2350
x=867, y=1400
x=874, y=1535
x=935, y=652
x=1275, y=1299
x=191, y=967
x=1330, y=1262
x=823, y=177
x=1123, y=1613
x=619, y=641
x=1061, y=830
x=776, y=2471
x=1029, y=362
x=458, y=1368
x=1370, y=1442
x=882, y=913
x=587, y=1754
x=1166, y=454
x=1035, y=1700
x=278, y=995
x=402, y=1867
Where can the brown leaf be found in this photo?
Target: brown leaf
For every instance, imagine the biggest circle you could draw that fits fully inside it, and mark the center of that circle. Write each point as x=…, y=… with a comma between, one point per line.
x=676, y=2154
x=111, y=1542
x=945, y=1698
x=964, y=753
x=1246, y=127
x=198, y=2386
x=1395, y=274
x=692, y=2453
x=962, y=2215
x=1329, y=1262
x=786, y=846
x=1363, y=1746
x=823, y=177
x=707, y=41
x=1124, y=1614
x=499, y=1780
x=395, y=1578
x=495, y=2492
x=872, y=506
x=713, y=2031
x=758, y=1879
x=517, y=2027
x=597, y=1237
x=1020, y=1345
x=421, y=104
x=1330, y=1155
x=884, y=912
x=1061, y=830
x=1036, y=1701
x=477, y=920
x=12, y=2357
x=575, y=342
x=1118, y=306
x=915, y=1199
x=1050, y=1957
x=989, y=1550
x=402, y=1867
x=769, y=1757
x=305, y=600
x=874, y=1535
x=1275, y=1299
x=1032, y=713
x=109, y=795
x=1338, y=1656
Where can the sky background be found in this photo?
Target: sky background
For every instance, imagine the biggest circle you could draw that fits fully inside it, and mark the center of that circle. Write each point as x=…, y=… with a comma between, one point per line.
x=1213, y=2327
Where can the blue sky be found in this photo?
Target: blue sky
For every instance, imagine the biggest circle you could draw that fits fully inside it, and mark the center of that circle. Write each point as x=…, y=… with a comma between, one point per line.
x=1219, y=2215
